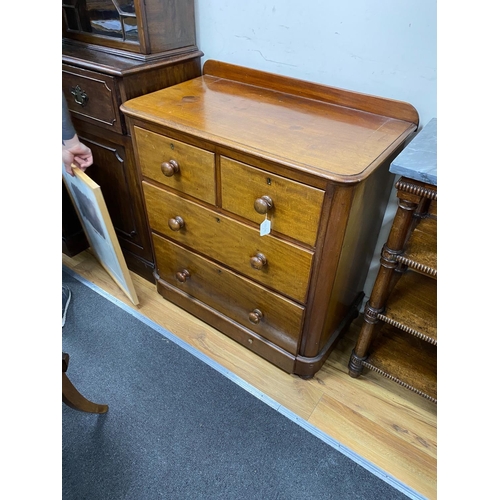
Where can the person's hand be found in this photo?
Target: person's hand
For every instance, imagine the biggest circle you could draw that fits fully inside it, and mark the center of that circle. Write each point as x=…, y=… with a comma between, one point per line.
x=74, y=151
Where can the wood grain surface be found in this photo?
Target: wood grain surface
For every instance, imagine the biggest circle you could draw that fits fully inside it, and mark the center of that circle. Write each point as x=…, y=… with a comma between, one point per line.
x=324, y=139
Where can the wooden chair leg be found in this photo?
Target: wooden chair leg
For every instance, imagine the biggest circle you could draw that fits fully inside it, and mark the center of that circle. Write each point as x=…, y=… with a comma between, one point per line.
x=75, y=400
x=72, y=397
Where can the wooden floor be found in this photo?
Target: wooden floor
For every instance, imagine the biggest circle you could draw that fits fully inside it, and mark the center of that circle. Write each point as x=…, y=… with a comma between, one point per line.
x=384, y=423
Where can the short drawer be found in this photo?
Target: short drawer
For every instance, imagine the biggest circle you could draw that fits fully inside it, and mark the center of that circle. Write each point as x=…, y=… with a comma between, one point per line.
x=92, y=97
x=293, y=208
x=276, y=264
x=271, y=316
x=176, y=164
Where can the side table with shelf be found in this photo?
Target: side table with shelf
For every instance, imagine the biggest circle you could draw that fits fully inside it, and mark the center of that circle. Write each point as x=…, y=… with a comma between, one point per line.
x=398, y=338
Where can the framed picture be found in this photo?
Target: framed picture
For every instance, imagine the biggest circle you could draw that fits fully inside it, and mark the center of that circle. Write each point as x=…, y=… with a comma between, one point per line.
x=94, y=216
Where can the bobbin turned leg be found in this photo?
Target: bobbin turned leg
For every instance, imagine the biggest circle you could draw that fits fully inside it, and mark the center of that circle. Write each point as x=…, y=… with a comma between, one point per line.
x=388, y=274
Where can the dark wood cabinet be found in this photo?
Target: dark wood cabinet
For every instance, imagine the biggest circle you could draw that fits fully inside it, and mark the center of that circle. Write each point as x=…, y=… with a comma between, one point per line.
x=100, y=72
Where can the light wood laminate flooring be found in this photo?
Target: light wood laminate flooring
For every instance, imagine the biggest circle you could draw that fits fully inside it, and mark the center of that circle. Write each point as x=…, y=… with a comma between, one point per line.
x=387, y=425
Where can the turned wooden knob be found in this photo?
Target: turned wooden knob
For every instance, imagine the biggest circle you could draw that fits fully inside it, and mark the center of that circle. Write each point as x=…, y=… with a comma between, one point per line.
x=263, y=204
x=176, y=223
x=169, y=168
x=255, y=316
x=182, y=276
x=258, y=261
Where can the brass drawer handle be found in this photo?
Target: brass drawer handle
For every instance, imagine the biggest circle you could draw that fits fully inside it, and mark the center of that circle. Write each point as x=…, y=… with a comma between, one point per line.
x=182, y=276
x=80, y=95
x=255, y=316
x=176, y=223
x=263, y=204
x=258, y=261
x=169, y=168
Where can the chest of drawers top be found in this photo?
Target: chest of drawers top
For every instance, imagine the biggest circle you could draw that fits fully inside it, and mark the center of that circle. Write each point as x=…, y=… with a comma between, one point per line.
x=347, y=134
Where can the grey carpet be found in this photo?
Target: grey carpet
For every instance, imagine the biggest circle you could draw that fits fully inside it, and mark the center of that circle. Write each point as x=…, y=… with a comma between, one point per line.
x=179, y=429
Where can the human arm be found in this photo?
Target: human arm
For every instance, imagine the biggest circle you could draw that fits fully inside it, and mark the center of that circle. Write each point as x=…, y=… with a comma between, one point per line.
x=73, y=151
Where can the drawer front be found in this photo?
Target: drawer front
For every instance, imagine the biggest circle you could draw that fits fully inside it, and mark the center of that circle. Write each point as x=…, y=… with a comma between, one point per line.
x=295, y=208
x=92, y=97
x=271, y=316
x=177, y=165
x=272, y=262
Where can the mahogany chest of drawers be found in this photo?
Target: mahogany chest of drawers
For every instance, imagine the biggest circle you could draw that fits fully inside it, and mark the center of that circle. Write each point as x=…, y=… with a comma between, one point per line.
x=220, y=157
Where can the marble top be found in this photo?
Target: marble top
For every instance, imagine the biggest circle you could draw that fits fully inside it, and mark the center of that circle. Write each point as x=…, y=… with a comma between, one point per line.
x=418, y=160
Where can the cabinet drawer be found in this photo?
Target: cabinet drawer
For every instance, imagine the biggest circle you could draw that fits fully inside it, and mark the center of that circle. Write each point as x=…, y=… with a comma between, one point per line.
x=92, y=97
x=266, y=313
x=272, y=262
x=295, y=208
x=175, y=164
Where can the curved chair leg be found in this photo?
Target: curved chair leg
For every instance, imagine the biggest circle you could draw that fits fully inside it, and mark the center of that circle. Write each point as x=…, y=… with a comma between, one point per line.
x=75, y=400
x=72, y=397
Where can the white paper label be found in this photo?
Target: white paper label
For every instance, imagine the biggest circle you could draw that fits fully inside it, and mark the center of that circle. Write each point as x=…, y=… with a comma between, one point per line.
x=265, y=227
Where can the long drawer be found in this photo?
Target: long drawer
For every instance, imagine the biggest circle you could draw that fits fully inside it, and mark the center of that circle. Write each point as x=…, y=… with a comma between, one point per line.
x=293, y=208
x=266, y=313
x=276, y=264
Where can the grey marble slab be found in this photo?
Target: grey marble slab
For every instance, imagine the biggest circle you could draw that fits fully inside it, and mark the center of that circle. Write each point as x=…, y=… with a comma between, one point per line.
x=418, y=160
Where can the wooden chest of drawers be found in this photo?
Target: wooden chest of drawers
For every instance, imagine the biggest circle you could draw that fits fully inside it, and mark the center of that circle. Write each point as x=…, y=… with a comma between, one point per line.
x=221, y=154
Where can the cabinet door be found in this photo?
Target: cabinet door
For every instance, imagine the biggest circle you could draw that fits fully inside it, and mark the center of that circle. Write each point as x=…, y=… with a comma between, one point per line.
x=132, y=25
x=110, y=23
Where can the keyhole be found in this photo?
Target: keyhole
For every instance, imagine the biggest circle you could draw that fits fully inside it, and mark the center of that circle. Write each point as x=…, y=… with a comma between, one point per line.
x=268, y=181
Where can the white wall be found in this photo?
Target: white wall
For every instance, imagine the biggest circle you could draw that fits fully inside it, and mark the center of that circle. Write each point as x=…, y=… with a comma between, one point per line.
x=380, y=47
